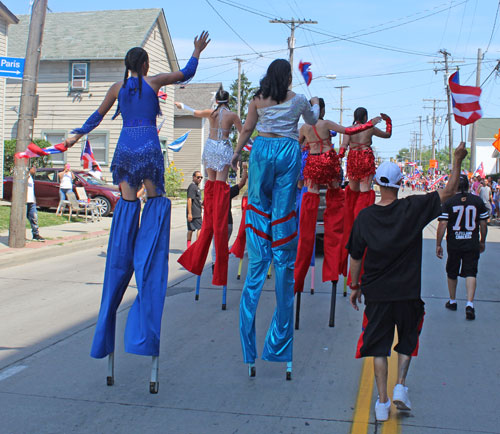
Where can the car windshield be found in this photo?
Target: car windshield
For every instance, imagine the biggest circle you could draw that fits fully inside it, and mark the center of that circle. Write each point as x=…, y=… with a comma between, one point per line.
x=90, y=179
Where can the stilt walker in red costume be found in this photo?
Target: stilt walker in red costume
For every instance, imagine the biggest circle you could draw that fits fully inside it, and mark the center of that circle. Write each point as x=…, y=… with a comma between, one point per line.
x=322, y=167
x=216, y=157
x=360, y=171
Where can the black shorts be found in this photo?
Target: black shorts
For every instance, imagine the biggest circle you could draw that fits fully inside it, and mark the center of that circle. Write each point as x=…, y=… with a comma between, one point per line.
x=195, y=224
x=379, y=321
x=467, y=259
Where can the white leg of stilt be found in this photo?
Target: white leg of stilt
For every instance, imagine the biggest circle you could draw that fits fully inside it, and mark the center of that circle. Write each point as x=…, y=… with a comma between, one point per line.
x=154, y=383
x=312, y=279
x=110, y=380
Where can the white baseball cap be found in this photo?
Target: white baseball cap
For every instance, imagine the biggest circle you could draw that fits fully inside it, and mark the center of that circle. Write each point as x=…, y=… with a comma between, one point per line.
x=388, y=175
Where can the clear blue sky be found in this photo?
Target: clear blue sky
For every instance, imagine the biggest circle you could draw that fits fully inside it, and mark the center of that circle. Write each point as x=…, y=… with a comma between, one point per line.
x=386, y=60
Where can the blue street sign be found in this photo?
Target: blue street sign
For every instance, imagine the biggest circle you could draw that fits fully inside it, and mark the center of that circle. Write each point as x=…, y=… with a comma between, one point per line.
x=12, y=67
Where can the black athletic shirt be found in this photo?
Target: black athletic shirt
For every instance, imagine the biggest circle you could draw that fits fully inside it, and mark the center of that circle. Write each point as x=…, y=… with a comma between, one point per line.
x=193, y=193
x=392, y=237
x=463, y=213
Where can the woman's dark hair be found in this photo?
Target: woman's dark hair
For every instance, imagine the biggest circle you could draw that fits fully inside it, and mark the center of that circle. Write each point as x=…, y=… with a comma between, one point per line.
x=134, y=61
x=360, y=115
x=221, y=98
x=321, y=105
x=276, y=81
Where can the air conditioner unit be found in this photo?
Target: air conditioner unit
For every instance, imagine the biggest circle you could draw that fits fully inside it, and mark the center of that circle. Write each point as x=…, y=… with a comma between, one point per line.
x=78, y=84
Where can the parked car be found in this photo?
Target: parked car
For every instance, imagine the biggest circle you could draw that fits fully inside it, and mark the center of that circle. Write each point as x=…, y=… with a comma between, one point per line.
x=47, y=189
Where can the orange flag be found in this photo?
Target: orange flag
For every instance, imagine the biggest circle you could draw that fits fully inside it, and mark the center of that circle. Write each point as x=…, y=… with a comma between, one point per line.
x=496, y=143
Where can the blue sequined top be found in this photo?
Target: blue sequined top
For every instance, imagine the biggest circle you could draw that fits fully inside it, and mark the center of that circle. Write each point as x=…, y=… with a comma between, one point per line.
x=282, y=119
x=138, y=155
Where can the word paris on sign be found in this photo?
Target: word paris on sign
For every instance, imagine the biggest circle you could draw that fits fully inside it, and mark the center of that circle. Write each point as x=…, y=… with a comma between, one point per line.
x=11, y=67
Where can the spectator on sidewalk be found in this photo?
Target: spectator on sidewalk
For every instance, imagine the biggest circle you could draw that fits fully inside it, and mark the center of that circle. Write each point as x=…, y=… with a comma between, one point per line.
x=31, y=213
x=485, y=194
x=233, y=192
x=463, y=216
x=193, y=207
x=66, y=178
x=389, y=233
x=95, y=171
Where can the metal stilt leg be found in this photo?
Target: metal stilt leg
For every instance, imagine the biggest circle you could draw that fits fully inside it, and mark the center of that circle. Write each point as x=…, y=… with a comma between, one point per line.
x=197, y=293
x=269, y=272
x=332, y=304
x=110, y=379
x=154, y=383
x=312, y=279
x=289, y=369
x=297, y=311
x=224, y=293
x=345, y=286
x=239, y=269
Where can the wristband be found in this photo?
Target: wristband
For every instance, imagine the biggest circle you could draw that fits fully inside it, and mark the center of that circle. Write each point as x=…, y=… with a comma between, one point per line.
x=354, y=287
x=358, y=128
x=388, y=125
x=186, y=107
x=92, y=122
x=190, y=69
x=342, y=152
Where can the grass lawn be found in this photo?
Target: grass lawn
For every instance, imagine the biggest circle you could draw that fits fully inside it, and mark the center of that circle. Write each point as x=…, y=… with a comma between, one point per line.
x=44, y=219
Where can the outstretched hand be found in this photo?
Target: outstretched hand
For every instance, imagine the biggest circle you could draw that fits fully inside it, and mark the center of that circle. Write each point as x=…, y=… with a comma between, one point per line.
x=384, y=116
x=376, y=120
x=460, y=152
x=201, y=42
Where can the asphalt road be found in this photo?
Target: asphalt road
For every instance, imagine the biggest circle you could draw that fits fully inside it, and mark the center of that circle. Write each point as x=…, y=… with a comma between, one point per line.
x=49, y=384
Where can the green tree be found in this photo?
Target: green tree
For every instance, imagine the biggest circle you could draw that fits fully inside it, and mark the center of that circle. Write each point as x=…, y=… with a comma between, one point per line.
x=10, y=150
x=247, y=92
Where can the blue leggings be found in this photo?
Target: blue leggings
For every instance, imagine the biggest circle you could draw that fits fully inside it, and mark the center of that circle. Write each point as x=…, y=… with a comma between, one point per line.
x=271, y=231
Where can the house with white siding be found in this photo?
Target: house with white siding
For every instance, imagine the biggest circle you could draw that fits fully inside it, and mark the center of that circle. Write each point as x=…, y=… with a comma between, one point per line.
x=199, y=96
x=486, y=128
x=82, y=56
x=6, y=18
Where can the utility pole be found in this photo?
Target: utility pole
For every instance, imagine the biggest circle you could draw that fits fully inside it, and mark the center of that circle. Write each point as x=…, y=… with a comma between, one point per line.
x=239, y=88
x=473, y=166
x=434, y=101
x=17, y=231
x=341, y=108
x=292, y=24
x=420, y=137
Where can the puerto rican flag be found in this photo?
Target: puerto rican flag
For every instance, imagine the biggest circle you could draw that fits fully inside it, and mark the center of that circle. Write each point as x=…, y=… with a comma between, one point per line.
x=248, y=146
x=465, y=99
x=34, y=151
x=162, y=95
x=480, y=170
x=88, y=157
x=306, y=73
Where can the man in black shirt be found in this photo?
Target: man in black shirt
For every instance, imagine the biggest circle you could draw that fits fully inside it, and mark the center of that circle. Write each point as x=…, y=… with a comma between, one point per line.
x=463, y=216
x=193, y=207
x=390, y=233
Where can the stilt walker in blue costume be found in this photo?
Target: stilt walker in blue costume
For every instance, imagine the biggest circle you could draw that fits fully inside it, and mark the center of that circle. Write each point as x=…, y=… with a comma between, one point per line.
x=132, y=247
x=271, y=226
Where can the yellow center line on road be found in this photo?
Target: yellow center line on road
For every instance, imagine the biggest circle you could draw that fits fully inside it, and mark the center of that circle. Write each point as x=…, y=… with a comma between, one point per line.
x=362, y=410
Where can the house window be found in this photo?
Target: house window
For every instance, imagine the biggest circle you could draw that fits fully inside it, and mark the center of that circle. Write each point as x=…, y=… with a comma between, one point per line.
x=55, y=137
x=79, y=76
x=99, y=143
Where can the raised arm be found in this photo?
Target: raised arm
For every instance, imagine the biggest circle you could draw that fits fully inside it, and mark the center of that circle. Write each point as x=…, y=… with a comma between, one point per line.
x=452, y=186
x=196, y=113
x=310, y=113
x=388, y=128
x=159, y=80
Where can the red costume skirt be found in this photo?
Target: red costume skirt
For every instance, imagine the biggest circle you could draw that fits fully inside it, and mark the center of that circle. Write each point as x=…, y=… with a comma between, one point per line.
x=360, y=164
x=322, y=168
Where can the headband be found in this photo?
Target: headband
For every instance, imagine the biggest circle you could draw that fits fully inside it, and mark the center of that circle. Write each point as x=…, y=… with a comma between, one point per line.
x=221, y=101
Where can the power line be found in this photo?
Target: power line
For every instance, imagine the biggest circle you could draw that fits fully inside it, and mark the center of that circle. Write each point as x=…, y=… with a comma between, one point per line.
x=493, y=29
x=234, y=31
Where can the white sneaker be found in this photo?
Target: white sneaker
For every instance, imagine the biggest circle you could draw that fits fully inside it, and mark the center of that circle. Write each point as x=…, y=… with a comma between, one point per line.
x=400, y=397
x=382, y=410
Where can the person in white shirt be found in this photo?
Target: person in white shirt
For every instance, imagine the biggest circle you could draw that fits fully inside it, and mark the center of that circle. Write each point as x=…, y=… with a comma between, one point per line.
x=66, y=178
x=31, y=213
x=95, y=172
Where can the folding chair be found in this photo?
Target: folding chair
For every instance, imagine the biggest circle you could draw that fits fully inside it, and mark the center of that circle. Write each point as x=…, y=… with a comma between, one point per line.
x=77, y=206
x=91, y=203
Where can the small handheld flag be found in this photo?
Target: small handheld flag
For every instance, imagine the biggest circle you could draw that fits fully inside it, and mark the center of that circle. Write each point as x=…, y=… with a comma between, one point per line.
x=162, y=95
x=465, y=99
x=248, y=146
x=304, y=70
x=88, y=157
x=34, y=151
x=177, y=144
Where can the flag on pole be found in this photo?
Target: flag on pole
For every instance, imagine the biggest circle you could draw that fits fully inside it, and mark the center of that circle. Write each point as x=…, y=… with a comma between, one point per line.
x=34, y=151
x=480, y=170
x=304, y=70
x=177, y=144
x=88, y=157
x=158, y=129
x=465, y=100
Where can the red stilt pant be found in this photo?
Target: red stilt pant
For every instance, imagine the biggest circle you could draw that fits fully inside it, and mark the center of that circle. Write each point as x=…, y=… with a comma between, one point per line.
x=351, y=197
x=334, y=225
x=220, y=214
x=238, y=248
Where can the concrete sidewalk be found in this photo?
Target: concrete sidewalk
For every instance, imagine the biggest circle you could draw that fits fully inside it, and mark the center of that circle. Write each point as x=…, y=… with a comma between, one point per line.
x=71, y=237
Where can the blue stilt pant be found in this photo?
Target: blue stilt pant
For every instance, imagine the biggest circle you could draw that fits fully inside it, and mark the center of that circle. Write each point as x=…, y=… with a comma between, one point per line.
x=142, y=332
x=119, y=270
x=271, y=231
